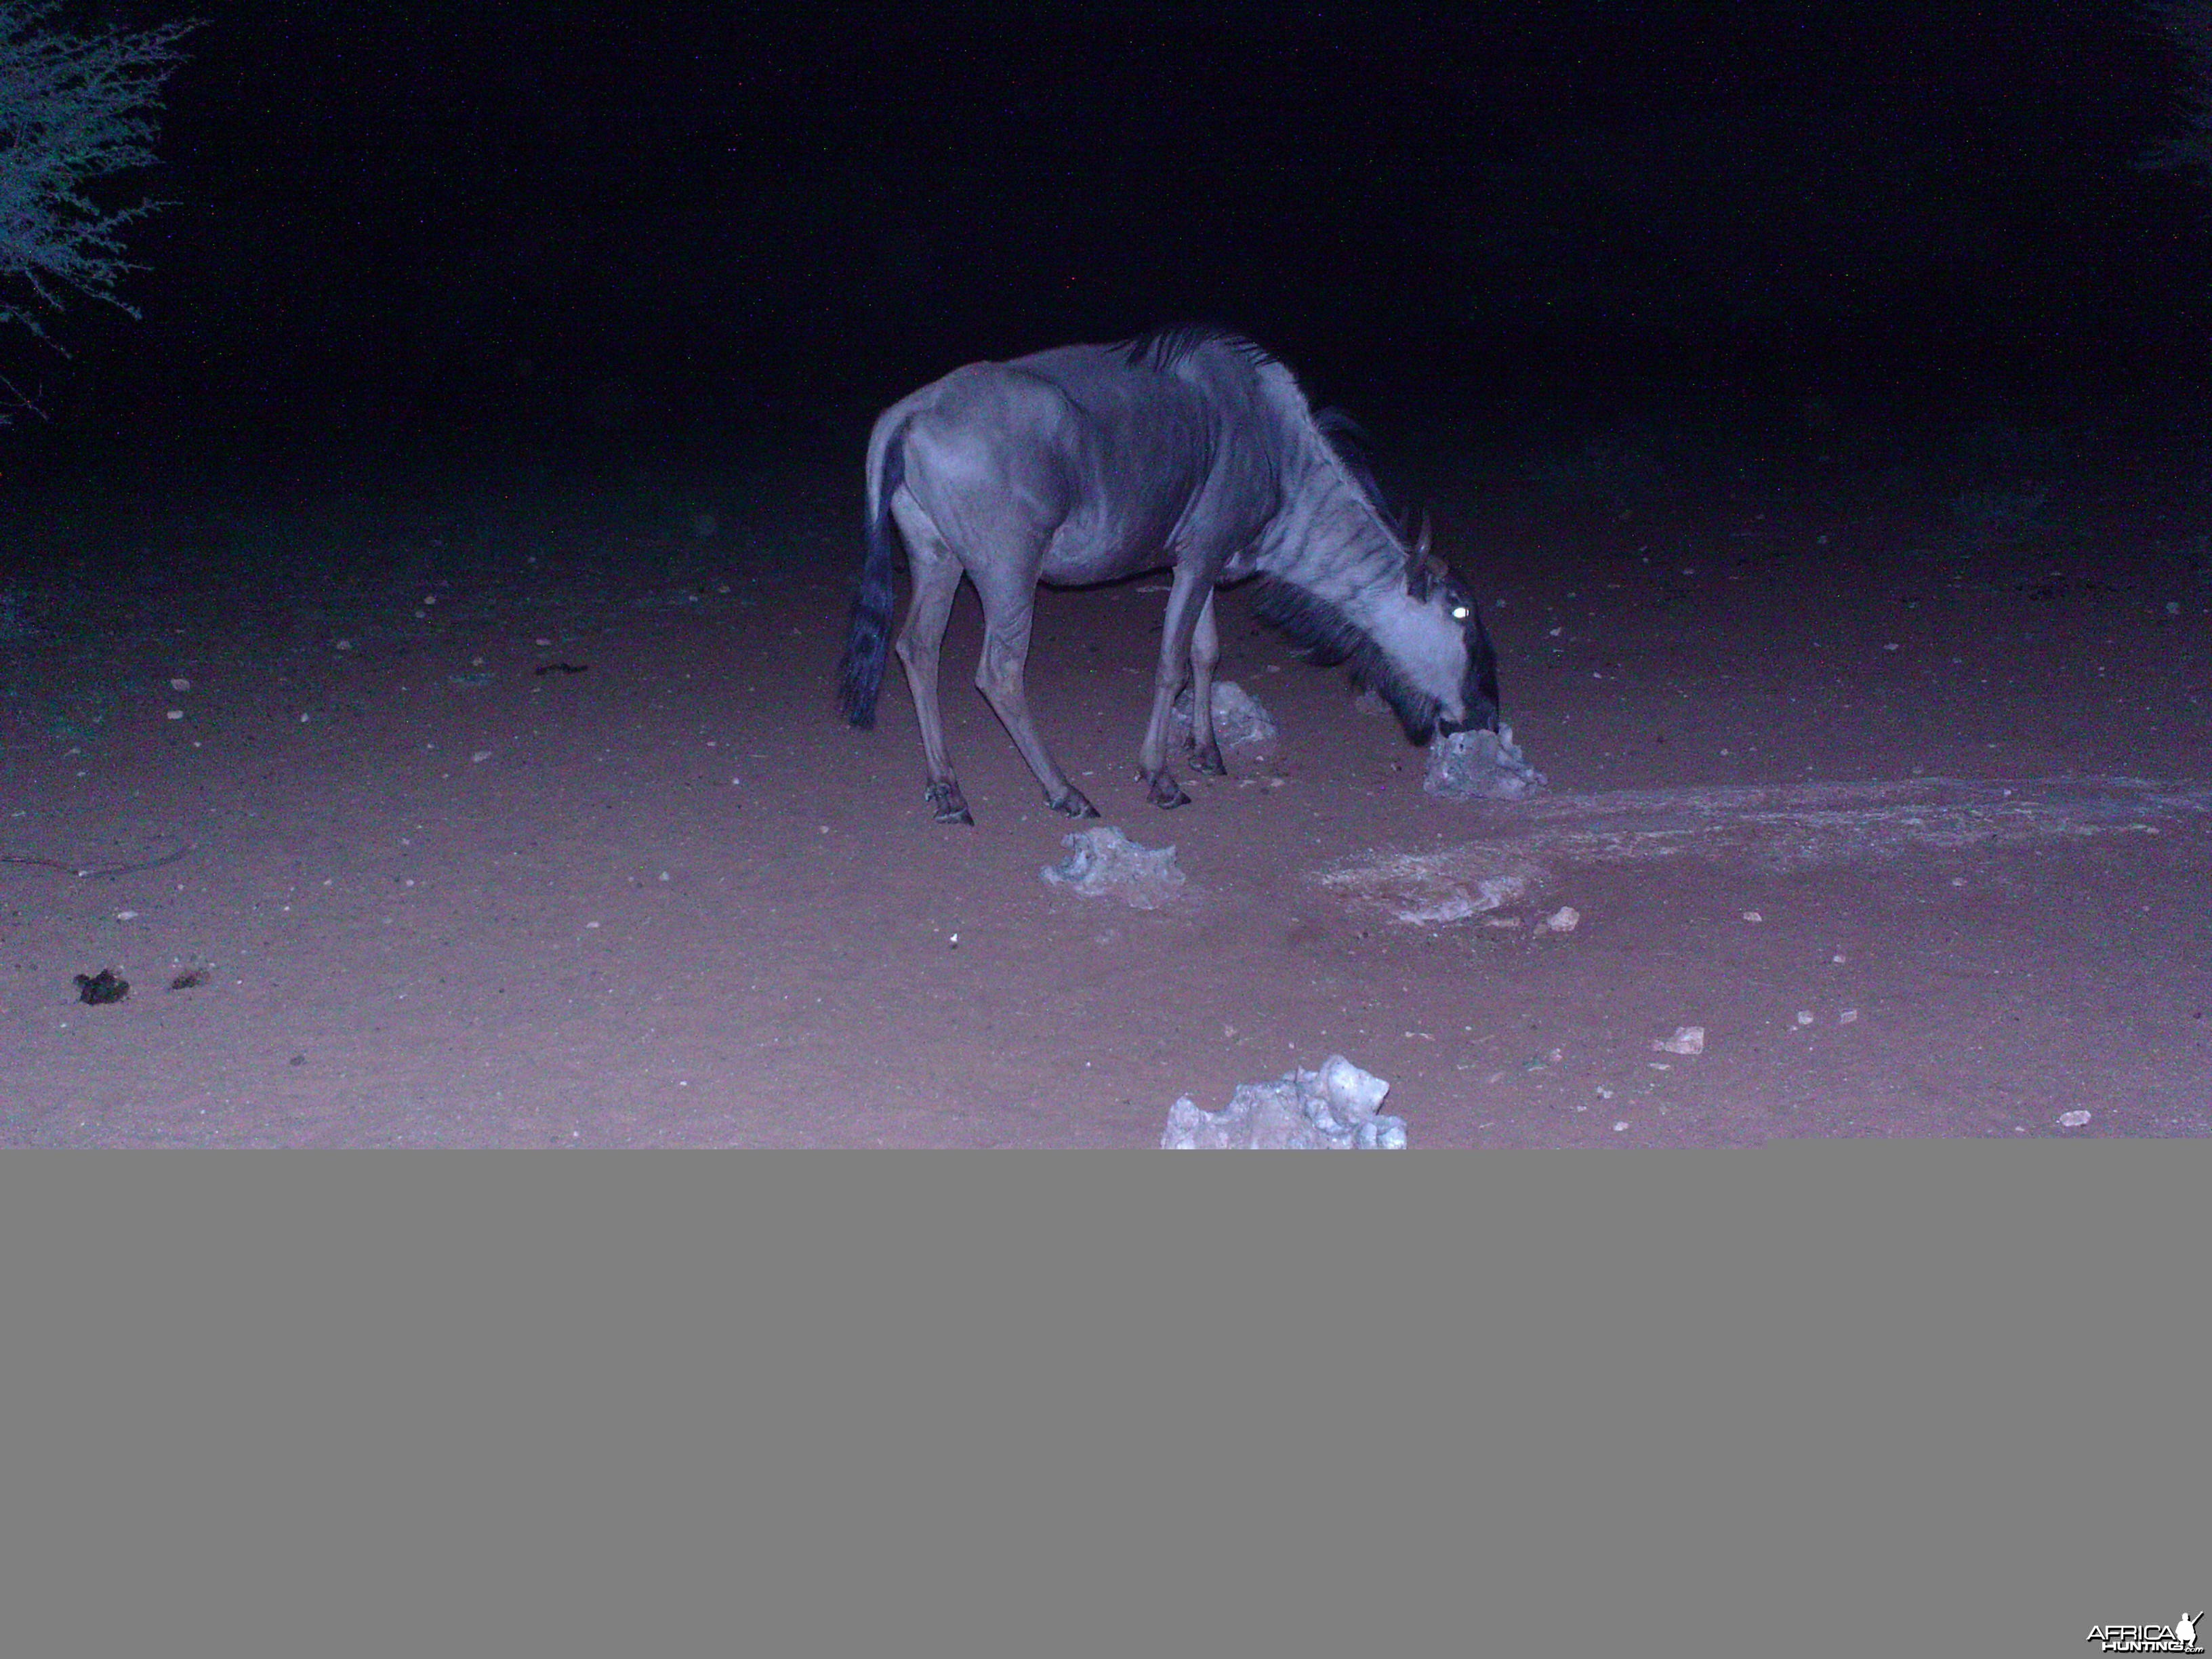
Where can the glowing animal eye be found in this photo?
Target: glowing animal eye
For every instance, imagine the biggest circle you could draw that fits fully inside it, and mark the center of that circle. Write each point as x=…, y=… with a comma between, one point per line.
x=1459, y=613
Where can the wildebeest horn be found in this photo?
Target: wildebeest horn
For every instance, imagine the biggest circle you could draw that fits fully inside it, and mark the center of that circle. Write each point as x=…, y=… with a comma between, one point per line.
x=1423, y=567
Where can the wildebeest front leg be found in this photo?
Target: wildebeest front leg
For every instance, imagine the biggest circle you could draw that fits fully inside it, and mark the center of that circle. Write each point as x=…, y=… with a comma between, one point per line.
x=936, y=578
x=1006, y=619
x=1189, y=601
x=1205, y=653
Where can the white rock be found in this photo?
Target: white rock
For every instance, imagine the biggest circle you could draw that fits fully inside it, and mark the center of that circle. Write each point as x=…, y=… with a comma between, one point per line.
x=1239, y=720
x=1104, y=861
x=1332, y=1107
x=1480, y=766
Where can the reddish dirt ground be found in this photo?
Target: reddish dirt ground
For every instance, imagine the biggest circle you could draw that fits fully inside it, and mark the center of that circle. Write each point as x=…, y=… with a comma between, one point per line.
x=439, y=897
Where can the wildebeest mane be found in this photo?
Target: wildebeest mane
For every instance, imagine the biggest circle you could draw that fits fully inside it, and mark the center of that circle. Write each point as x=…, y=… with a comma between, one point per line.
x=1348, y=441
x=1161, y=350
x=1329, y=637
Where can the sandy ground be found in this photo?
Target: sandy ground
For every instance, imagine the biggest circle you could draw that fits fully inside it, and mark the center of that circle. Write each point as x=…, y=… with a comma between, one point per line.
x=441, y=889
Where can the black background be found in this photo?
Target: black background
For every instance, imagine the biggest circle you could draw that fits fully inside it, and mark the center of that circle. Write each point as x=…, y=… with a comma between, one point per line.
x=449, y=219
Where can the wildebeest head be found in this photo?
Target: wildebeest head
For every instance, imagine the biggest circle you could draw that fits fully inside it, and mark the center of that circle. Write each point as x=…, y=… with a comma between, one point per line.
x=1432, y=583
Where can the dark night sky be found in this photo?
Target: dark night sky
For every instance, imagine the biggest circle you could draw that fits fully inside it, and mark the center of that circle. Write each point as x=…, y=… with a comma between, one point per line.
x=654, y=213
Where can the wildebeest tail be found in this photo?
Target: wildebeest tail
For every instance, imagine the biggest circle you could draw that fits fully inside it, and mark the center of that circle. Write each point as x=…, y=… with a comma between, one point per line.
x=868, y=635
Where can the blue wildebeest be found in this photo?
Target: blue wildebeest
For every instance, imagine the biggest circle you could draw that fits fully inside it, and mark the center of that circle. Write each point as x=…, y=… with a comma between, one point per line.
x=1189, y=447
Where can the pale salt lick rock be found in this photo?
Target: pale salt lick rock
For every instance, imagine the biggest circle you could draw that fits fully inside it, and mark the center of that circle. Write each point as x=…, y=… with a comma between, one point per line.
x=1480, y=766
x=1105, y=861
x=1489, y=894
x=1332, y=1109
x=1239, y=721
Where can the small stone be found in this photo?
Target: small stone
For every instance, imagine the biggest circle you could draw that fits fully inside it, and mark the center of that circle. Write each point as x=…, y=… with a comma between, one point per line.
x=1686, y=1040
x=2072, y=1119
x=1354, y=1094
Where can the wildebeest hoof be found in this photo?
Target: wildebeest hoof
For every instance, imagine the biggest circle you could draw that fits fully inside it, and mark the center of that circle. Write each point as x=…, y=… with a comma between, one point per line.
x=1163, y=792
x=1073, y=802
x=1209, y=760
x=948, y=805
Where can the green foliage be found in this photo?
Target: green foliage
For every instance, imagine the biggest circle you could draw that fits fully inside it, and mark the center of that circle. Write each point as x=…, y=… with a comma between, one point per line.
x=74, y=109
x=2189, y=24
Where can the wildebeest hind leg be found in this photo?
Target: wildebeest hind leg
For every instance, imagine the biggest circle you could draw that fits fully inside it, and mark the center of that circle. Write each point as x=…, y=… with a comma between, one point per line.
x=1006, y=619
x=936, y=582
